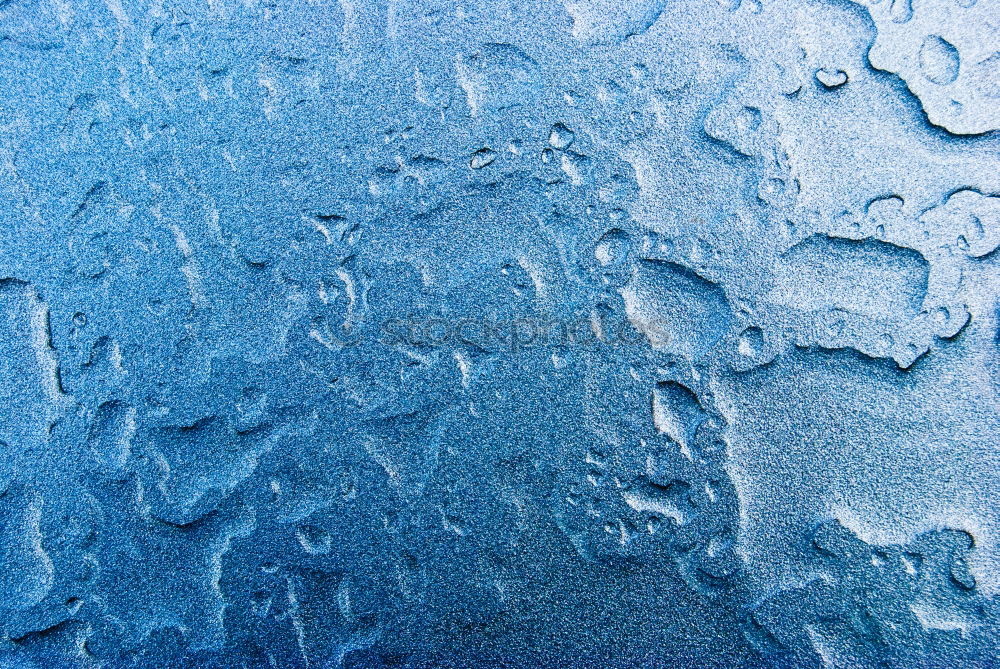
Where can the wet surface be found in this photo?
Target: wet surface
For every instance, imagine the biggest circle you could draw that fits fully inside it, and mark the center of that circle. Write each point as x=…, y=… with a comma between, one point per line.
x=431, y=333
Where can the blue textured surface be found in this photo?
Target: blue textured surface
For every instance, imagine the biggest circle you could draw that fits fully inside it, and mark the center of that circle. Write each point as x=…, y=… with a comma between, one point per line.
x=454, y=333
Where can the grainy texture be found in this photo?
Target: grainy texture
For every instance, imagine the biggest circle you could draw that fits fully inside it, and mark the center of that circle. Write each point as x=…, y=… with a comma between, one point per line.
x=456, y=333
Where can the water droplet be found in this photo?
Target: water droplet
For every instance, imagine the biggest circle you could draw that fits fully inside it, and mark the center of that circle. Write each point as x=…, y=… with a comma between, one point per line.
x=962, y=576
x=612, y=248
x=751, y=343
x=831, y=78
x=901, y=11
x=912, y=562
x=482, y=158
x=939, y=60
x=314, y=540
x=561, y=137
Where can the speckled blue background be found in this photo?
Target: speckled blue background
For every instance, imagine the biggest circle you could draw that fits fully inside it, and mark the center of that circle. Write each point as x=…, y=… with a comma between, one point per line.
x=499, y=333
